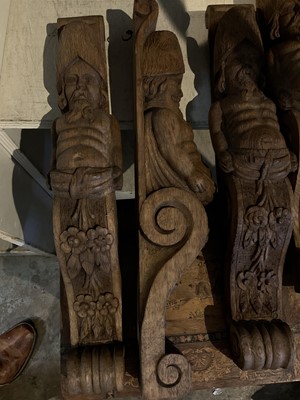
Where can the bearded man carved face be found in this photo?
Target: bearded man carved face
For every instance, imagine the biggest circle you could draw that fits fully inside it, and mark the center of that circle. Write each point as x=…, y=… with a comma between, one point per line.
x=82, y=85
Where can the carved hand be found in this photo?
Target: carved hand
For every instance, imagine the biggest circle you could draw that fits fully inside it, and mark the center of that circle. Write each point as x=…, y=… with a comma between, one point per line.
x=225, y=161
x=202, y=185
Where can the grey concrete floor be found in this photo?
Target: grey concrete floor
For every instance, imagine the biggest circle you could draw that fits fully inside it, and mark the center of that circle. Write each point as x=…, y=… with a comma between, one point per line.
x=30, y=289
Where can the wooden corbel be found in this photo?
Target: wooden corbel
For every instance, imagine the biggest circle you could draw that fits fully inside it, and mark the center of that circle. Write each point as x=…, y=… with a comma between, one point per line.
x=254, y=163
x=282, y=24
x=172, y=184
x=86, y=172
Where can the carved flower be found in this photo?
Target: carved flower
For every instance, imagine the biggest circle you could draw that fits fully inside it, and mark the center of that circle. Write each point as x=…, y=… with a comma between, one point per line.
x=99, y=239
x=85, y=306
x=73, y=241
x=246, y=280
x=278, y=216
x=266, y=280
x=256, y=217
x=107, y=304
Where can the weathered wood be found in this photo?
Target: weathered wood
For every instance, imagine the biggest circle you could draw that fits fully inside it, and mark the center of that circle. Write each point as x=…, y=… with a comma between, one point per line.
x=282, y=24
x=254, y=163
x=86, y=172
x=96, y=371
x=172, y=184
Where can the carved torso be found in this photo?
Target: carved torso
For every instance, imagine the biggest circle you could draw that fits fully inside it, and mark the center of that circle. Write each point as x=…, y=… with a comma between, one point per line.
x=251, y=123
x=253, y=135
x=84, y=142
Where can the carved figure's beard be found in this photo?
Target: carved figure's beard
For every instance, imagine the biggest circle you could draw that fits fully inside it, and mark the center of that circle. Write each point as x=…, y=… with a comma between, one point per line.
x=249, y=88
x=79, y=107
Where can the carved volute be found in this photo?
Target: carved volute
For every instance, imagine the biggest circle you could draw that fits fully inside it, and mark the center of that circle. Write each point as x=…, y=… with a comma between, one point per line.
x=86, y=172
x=172, y=184
x=254, y=163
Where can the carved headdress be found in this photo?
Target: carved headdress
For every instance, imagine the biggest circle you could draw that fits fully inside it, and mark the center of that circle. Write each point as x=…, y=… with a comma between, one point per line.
x=237, y=26
x=77, y=40
x=162, y=55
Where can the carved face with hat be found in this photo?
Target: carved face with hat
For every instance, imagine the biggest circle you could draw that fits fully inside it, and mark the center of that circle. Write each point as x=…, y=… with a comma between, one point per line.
x=80, y=70
x=82, y=83
x=238, y=52
x=163, y=68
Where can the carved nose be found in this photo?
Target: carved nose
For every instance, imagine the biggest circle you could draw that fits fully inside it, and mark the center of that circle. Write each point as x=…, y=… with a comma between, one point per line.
x=80, y=84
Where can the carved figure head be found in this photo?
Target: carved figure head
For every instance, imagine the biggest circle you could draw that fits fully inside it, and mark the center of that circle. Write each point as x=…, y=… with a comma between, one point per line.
x=79, y=54
x=238, y=51
x=163, y=89
x=285, y=19
x=82, y=83
x=241, y=71
x=163, y=68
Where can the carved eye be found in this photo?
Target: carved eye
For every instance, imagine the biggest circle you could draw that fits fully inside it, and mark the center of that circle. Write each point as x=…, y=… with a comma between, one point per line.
x=70, y=79
x=90, y=80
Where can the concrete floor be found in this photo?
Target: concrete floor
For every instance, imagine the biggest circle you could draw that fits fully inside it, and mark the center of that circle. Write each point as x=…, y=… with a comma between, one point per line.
x=30, y=289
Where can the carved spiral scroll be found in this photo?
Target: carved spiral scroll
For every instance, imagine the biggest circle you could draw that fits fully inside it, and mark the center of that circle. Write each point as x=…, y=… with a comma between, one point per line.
x=261, y=344
x=164, y=220
x=168, y=217
x=169, y=369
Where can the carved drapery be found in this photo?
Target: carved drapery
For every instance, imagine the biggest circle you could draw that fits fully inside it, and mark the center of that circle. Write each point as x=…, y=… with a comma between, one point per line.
x=254, y=163
x=172, y=185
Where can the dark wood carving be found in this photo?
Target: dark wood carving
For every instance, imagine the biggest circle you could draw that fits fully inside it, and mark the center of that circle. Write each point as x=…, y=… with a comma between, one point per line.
x=172, y=184
x=282, y=19
x=86, y=172
x=254, y=163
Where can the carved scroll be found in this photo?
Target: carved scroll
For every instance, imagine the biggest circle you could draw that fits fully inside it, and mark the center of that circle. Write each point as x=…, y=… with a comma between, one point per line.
x=254, y=163
x=172, y=185
x=282, y=21
x=86, y=172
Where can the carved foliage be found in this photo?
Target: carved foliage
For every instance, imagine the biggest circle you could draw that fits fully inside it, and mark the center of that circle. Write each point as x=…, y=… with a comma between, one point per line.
x=265, y=227
x=87, y=251
x=87, y=259
x=96, y=315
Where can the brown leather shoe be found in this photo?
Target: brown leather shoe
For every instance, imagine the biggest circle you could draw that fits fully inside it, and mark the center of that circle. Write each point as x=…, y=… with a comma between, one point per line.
x=16, y=346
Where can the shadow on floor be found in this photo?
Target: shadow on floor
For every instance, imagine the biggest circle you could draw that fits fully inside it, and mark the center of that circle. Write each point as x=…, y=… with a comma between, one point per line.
x=282, y=391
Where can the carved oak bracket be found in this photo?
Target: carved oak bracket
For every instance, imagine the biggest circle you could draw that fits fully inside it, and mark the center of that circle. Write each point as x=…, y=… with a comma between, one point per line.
x=86, y=172
x=172, y=183
x=254, y=163
x=282, y=24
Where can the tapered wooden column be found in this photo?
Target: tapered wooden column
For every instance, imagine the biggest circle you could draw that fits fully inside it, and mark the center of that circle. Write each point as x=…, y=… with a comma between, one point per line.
x=172, y=184
x=86, y=172
x=254, y=163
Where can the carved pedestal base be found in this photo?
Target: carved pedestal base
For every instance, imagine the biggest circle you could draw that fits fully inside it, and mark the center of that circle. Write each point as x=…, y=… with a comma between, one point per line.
x=97, y=370
x=261, y=344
